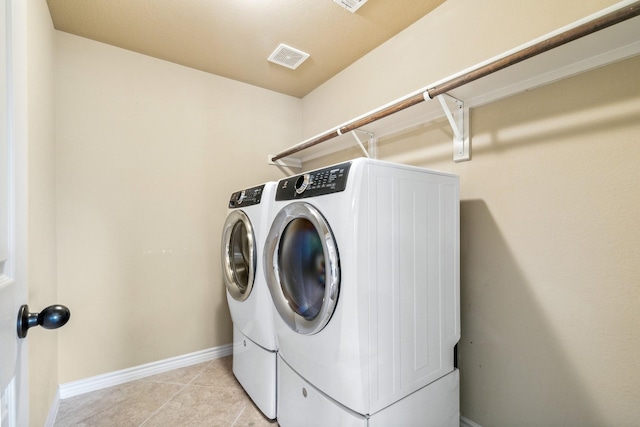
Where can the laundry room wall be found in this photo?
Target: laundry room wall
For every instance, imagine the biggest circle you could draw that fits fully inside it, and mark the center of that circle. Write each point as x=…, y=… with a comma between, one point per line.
x=148, y=153
x=42, y=285
x=549, y=203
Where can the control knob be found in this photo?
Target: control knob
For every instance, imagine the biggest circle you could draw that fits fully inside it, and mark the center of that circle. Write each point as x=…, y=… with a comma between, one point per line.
x=302, y=183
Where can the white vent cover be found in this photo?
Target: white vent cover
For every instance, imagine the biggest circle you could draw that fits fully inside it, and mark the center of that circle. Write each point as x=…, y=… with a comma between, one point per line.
x=288, y=57
x=351, y=5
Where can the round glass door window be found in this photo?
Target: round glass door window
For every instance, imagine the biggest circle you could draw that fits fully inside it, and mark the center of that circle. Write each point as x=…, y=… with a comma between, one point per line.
x=302, y=267
x=301, y=264
x=238, y=255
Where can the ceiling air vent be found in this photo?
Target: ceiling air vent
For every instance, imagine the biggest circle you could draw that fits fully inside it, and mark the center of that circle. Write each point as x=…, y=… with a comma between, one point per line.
x=351, y=5
x=288, y=57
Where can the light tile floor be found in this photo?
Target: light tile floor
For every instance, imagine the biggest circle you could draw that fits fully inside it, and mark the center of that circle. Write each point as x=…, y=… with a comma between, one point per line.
x=206, y=394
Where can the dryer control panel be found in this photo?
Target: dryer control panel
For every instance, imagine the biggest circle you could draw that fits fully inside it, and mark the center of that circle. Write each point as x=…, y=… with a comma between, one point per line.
x=247, y=197
x=329, y=180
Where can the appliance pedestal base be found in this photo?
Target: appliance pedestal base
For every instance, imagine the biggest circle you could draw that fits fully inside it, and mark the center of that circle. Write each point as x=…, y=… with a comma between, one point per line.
x=255, y=369
x=301, y=404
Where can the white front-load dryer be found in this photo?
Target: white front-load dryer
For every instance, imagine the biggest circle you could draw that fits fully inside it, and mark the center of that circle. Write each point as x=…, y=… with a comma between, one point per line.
x=254, y=340
x=362, y=262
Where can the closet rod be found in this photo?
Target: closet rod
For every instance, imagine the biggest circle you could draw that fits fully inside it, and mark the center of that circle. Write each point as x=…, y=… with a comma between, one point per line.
x=572, y=34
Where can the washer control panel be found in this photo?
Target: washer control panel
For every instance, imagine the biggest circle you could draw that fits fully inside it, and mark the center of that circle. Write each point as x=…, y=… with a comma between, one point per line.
x=247, y=197
x=332, y=179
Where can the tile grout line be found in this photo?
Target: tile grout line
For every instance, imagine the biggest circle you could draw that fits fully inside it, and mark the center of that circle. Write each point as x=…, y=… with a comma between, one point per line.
x=200, y=373
x=239, y=414
x=244, y=407
x=162, y=406
x=175, y=394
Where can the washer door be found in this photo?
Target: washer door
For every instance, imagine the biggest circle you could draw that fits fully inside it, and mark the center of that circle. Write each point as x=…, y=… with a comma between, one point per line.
x=238, y=255
x=302, y=268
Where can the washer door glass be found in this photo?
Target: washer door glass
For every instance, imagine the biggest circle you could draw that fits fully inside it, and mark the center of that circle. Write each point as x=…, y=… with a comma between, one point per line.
x=301, y=264
x=238, y=255
x=302, y=267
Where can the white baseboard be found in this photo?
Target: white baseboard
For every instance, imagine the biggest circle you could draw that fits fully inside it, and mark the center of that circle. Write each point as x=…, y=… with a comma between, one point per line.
x=98, y=382
x=53, y=410
x=465, y=422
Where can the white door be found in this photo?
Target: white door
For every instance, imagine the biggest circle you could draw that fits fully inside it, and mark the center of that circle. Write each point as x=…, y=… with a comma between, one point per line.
x=13, y=392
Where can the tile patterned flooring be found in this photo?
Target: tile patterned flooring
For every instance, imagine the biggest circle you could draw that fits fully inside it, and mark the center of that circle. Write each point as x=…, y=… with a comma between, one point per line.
x=206, y=394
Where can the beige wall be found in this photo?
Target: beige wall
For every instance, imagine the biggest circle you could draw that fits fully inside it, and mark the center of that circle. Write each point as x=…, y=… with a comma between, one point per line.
x=145, y=153
x=148, y=153
x=549, y=232
x=42, y=288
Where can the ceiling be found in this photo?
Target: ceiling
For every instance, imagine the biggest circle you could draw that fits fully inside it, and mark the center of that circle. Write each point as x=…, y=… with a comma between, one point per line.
x=234, y=38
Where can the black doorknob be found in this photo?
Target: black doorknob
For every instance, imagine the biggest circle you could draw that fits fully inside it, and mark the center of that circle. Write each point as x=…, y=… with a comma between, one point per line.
x=51, y=317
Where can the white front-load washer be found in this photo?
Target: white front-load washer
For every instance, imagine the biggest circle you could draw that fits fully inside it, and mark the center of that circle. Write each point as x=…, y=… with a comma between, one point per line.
x=254, y=340
x=362, y=262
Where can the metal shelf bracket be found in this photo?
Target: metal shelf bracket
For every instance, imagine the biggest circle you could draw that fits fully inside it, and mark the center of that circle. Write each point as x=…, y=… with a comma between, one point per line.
x=371, y=150
x=287, y=162
x=458, y=117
